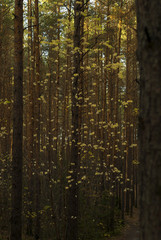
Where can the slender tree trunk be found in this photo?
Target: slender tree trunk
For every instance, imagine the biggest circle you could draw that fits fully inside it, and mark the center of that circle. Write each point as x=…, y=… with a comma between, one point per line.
x=30, y=122
x=72, y=225
x=1, y=77
x=149, y=53
x=17, y=158
x=37, y=120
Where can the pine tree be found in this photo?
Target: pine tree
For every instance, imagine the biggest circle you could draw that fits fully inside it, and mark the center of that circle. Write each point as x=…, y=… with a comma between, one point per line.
x=149, y=55
x=17, y=157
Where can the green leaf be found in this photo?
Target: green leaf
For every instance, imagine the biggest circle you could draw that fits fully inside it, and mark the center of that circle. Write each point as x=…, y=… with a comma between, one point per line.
x=46, y=207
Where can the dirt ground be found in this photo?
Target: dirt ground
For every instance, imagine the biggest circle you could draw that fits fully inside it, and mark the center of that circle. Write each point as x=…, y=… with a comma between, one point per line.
x=131, y=229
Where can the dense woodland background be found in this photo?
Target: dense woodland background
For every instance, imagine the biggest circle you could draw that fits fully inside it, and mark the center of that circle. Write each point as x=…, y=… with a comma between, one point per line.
x=80, y=111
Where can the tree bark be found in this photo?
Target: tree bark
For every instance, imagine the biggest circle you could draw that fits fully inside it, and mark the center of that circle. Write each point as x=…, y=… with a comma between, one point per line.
x=30, y=121
x=149, y=54
x=72, y=225
x=17, y=157
x=37, y=123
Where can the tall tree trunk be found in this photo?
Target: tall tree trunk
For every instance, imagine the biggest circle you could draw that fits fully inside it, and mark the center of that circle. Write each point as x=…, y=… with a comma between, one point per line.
x=72, y=225
x=149, y=53
x=37, y=119
x=17, y=158
x=30, y=122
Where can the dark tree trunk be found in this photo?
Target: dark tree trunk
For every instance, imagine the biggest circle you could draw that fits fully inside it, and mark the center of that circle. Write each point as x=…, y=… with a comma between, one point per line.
x=30, y=122
x=16, y=220
x=72, y=225
x=149, y=54
x=37, y=123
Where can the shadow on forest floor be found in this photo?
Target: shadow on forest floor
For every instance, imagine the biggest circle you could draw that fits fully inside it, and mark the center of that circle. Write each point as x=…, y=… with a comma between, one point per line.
x=129, y=232
x=131, y=229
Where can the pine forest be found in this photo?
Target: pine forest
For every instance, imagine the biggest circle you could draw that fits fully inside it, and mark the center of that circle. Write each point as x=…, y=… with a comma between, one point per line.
x=69, y=106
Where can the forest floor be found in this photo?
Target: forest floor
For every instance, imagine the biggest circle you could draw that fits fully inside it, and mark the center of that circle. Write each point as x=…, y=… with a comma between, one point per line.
x=131, y=229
